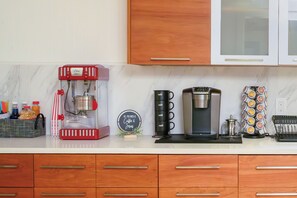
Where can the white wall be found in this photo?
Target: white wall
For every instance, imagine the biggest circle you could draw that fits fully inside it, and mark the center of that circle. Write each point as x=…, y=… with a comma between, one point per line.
x=63, y=31
x=37, y=36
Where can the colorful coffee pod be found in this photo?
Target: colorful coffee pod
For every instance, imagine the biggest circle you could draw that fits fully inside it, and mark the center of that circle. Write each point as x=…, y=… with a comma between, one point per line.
x=259, y=125
x=261, y=90
x=251, y=103
x=250, y=121
x=260, y=99
x=260, y=116
x=250, y=130
x=251, y=112
x=251, y=94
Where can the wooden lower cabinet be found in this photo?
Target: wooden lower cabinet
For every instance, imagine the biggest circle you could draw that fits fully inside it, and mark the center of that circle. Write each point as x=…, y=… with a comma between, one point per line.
x=198, y=192
x=267, y=192
x=66, y=171
x=127, y=171
x=16, y=192
x=127, y=192
x=268, y=171
x=16, y=170
x=198, y=171
x=65, y=192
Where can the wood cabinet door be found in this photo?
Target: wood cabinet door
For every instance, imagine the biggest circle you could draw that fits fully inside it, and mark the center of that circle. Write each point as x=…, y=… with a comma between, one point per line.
x=267, y=192
x=16, y=170
x=268, y=171
x=16, y=192
x=127, y=170
x=198, y=170
x=198, y=192
x=169, y=32
x=64, y=170
x=127, y=192
x=65, y=192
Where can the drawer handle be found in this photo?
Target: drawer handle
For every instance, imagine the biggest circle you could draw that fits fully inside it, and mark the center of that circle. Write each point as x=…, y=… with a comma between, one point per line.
x=295, y=60
x=275, y=194
x=9, y=166
x=62, y=167
x=170, y=59
x=8, y=195
x=243, y=60
x=126, y=167
x=198, y=167
x=63, y=194
x=125, y=195
x=216, y=194
x=276, y=167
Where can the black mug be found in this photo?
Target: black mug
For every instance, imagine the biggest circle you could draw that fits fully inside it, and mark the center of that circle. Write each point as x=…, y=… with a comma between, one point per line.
x=163, y=116
x=162, y=129
x=164, y=95
x=163, y=105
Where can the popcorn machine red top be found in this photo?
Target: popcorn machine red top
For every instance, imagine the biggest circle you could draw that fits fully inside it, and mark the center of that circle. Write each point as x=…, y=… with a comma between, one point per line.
x=83, y=107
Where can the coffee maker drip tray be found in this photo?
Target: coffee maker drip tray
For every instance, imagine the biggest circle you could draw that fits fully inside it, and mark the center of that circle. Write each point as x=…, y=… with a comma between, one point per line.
x=180, y=138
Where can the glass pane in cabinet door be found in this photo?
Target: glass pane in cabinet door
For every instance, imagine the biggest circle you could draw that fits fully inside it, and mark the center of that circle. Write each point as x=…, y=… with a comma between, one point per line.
x=245, y=27
x=292, y=27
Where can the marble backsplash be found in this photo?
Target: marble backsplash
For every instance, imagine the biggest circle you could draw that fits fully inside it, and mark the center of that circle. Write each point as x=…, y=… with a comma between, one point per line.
x=132, y=87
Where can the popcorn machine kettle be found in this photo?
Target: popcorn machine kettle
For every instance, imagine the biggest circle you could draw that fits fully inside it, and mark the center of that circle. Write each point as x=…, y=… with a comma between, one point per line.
x=83, y=106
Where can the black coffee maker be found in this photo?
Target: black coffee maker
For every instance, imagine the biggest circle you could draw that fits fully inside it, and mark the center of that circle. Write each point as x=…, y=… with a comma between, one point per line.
x=201, y=112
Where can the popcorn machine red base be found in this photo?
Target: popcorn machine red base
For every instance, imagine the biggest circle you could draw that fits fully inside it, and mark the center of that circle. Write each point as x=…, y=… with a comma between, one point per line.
x=83, y=108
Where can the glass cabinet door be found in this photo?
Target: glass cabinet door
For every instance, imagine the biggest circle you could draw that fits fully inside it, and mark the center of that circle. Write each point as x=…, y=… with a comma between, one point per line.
x=288, y=32
x=244, y=32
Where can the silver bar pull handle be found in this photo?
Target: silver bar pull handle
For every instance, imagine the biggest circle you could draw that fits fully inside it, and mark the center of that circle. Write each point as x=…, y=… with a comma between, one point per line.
x=216, y=194
x=8, y=166
x=63, y=194
x=170, y=59
x=63, y=167
x=126, y=167
x=198, y=167
x=275, y=194
x=8, y=195
x=244, y=60
x=295, y=60
x=276, y=167
x=125, y=195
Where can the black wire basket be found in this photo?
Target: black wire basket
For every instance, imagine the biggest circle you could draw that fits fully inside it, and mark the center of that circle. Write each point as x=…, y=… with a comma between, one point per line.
x=285, y=128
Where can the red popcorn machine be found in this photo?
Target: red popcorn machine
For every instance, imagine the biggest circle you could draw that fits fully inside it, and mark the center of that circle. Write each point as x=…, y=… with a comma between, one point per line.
x=83, y=102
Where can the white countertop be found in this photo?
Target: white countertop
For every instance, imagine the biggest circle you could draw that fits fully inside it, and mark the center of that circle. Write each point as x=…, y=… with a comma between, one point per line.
x=143, y=145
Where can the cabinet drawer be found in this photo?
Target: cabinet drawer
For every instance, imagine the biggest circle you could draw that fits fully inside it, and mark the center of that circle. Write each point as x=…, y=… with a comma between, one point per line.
x=127, y=192
x=65, y=192
x=127, y=170
x=198, y=192
x=268, y=171
x=267, y=192
x=64, y=170
x=198, y=170
x=16, y=192
x=16, y=170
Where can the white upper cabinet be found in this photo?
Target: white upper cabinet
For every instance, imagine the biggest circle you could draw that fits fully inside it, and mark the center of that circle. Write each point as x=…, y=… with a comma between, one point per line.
x=288, y=32
x=245, y=32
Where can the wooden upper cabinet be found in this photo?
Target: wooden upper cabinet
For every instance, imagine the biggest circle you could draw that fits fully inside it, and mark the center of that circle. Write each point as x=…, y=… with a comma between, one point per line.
x=169, y=32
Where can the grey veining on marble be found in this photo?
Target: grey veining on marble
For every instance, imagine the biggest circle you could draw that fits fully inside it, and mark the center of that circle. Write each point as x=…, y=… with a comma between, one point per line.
x=132, y=87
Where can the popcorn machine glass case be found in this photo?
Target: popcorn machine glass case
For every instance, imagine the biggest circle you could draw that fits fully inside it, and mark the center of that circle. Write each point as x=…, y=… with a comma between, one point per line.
x=83, y=92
